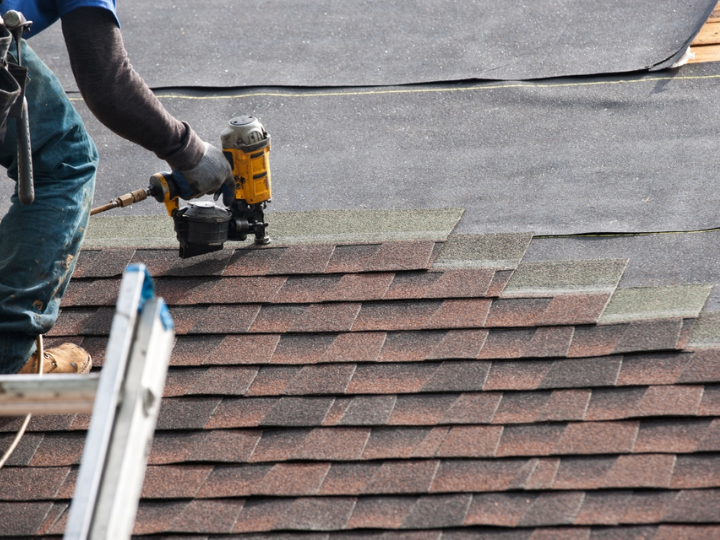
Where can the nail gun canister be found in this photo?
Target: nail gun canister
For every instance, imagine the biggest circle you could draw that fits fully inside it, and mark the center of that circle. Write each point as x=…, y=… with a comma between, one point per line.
x=246, y=146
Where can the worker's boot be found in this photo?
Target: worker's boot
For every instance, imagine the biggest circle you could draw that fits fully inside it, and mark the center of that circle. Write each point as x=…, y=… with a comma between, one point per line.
x=67, y=358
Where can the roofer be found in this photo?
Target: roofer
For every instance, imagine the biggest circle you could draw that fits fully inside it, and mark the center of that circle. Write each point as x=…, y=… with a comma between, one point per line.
x=39, y=242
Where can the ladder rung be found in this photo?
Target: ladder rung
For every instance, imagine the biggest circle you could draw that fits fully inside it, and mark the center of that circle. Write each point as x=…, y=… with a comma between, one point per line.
x=47, y=394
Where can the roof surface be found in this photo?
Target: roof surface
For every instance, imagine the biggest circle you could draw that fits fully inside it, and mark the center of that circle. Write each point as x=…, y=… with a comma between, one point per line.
x=411, y=389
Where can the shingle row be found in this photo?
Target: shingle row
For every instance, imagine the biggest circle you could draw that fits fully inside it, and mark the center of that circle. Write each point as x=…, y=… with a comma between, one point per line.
x=299, y=259
x=491, y=407
x=365, y=443
x=372, y=320
x=227, y=516
x=602, y=404
x=447, y=376
x=388, y=477
x=320, y=288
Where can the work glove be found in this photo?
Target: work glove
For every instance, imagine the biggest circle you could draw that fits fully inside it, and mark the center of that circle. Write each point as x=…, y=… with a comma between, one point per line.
x=211, y=175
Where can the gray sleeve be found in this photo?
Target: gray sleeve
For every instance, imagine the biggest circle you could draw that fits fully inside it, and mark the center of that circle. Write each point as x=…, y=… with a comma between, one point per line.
x=117, y=95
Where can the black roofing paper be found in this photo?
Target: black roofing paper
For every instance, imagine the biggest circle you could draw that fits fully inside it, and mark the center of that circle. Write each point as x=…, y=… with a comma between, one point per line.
x=216, y=43
x=558, y=157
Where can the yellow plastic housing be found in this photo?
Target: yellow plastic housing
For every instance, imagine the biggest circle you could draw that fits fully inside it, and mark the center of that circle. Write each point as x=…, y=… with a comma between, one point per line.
x=251, y=169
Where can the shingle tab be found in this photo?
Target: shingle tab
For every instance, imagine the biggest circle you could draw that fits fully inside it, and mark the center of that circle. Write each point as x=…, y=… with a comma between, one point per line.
x=551, y=278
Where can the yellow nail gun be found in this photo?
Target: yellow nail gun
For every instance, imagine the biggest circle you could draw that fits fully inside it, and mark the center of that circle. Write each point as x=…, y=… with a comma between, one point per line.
x=202, y=226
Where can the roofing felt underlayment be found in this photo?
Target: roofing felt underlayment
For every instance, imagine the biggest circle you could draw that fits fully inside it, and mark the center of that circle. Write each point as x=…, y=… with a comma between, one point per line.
x=367, y=43
x=447, y=390
x=629, y=154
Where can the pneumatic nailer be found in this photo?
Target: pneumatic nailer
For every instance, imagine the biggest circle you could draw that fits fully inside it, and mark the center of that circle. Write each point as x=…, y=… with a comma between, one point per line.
x=202, y=226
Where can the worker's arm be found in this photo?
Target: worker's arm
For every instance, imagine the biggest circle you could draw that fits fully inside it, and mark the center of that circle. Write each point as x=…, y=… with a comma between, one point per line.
x=121, y=100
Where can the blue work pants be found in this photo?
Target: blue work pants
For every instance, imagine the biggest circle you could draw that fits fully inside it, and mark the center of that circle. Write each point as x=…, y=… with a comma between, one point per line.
x=39, y=243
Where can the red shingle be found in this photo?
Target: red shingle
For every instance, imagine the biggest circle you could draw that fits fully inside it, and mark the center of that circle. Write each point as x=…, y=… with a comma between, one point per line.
x=459, y=375
x=319, y=513
x=647, y=506
x=346, y=259
x=301, y=349
x=582, y=473
x=390, y=378
x=471, y=441
x=253, y=262
x=499, y=509
x=459, y=344
x=597, y=438
x=670, y=401
x=306, y=289
x=499, y=281
x=234, y=481
x=543, y=476
x=272, y=380
x=276, y=319
x=193, y=350
x=480, y=475
x=409, y=346
x=516, y=311
x=523, y=375
x=553, y=509
x=391, y=443
x=223, y=319
x=411, y=285
x=615, y=403
x=661, y=368
x=510, y=343
x=696, y=471
x=469, y=313
x=421, y=410
x=574, y=309
x=236, y=290
x=244, y=350
x=395, y=315
x=360, y=287
x=322, y=379
x=158, y=261
x=565, y=405
x=520, y=407
x=671, y=436
x=303, y=259
x=380, y=512
x=603, y=508
x=595, y=340
x=334, y=444
x=223, y=445
x=20, y=483
x=279, y=445
x=549, y=342
x=156, y=517
x=348, y=478
x=640, y=471
x=653, y=335
x=356, y=347
x=395, y=477
x=703, y=366
x=531, y=440
x=57, y=449
x=174, y=481
x=461, y=284
x=473, y=408
x=234, y=412
x=259, y=515
x=293, y=479
x=216, y=516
